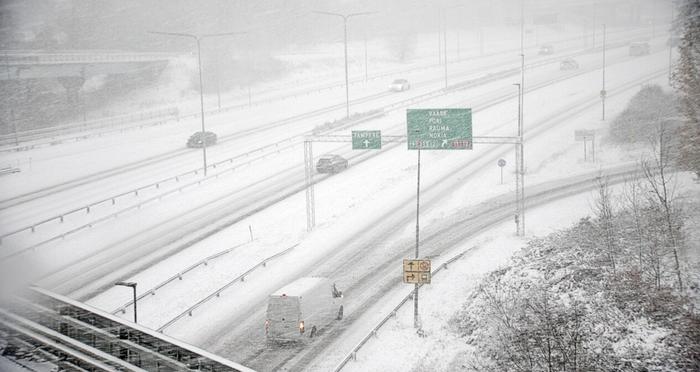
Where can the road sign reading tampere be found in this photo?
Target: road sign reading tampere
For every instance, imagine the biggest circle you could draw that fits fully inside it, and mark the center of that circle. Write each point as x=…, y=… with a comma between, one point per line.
x=439, y=129
x=366, y=139
x=416, y=271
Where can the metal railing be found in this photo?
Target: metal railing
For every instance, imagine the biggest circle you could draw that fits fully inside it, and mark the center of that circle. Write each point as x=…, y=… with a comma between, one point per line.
x=27, y=57
x=352, y=354
x=217, y=293
x=177, y=276
x=294, y=139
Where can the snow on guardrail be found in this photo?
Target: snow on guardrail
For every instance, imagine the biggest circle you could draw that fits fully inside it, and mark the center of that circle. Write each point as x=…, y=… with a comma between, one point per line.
x=217, y=293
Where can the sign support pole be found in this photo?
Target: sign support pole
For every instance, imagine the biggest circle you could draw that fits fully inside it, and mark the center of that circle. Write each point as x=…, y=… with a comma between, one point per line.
x=415, y=292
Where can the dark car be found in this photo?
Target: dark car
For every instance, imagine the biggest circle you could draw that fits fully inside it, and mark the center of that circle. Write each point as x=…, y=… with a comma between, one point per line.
x=201, y=139
x=331, y=164
x=639, y=48
x=546, y=49
x=568, y=64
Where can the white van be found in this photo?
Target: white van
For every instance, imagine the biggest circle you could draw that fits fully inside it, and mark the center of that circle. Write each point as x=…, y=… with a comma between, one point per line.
x=300, y=309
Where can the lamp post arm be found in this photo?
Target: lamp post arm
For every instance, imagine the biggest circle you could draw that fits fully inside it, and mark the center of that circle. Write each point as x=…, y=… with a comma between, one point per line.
x=174, y=34
x=222, y=34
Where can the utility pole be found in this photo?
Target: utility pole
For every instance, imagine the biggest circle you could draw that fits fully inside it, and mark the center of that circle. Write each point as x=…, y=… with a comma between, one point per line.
x=365, y=56
x=345, y=18
x=416, y=322
x=520, y=154
x=444, y=40
x=672, y=40
x=522, y=27
x=518, y=169
x=198, y=39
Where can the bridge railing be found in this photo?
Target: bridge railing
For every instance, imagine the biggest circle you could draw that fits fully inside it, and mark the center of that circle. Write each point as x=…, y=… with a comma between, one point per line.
x=14, y=58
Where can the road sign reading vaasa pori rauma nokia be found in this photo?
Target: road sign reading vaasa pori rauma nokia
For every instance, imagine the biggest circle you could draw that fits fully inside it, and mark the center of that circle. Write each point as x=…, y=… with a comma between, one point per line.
x=439, y=129
x=366, y=139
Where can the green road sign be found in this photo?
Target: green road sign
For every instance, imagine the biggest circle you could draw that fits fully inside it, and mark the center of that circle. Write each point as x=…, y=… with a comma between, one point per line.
x=439, y=129
x=366, y=139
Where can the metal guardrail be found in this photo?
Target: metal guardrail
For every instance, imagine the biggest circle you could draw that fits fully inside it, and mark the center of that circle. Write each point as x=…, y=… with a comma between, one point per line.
x=62, y=133
x=392, y=313
x=217, y=293
x=390, y=107
x=177, y=276
x=113, y=199
x=276, y=147
x=621, y=174
x=116, y=214
x=305, y=92
x=9, y=170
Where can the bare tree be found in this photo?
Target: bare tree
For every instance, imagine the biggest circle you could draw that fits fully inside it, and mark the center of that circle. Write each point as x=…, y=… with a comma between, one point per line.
x=632, y=195
x=603, y=208
x=661, y=182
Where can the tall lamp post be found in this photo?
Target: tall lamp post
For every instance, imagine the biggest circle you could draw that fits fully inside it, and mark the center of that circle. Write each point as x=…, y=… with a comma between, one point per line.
x=603, y=92
x=199, y=38
x=345, y=18
x=133, y=286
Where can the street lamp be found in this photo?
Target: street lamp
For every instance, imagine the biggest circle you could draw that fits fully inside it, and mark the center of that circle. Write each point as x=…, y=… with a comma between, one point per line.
x=603, y=92
x=198, y=38
x=133, y=286
x=345, y=18
x=519, y=213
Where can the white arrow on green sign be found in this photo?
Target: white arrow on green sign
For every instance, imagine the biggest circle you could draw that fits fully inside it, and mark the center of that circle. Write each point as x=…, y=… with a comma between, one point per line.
x=439, y=129
x=366, y=139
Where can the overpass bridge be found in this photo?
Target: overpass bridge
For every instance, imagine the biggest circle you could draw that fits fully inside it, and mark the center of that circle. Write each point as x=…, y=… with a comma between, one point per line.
x=73, y=68
x=39, y=65
x=76, y=337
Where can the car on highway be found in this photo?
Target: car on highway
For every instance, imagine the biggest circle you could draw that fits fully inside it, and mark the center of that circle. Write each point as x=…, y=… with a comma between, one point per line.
x=331, y=163
x=201, y=139
x=639, y=48
x=546, y=49
x=399, y=85
x=568, y=64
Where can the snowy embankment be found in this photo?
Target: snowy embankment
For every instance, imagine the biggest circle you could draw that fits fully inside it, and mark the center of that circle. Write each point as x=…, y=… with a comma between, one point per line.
x=458, y=318
x=605, y=294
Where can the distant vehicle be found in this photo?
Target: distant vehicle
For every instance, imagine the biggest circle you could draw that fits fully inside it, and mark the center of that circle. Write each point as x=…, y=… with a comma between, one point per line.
x=201, y=139
x=546, y=49
x=399, y=85
x=639, y=48
x=302, y=308
x=331, y=164
x=568, y=64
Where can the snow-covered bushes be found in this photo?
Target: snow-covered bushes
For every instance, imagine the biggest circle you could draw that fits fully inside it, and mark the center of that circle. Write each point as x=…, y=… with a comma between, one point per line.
x=644, y=113
x=562, y=305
